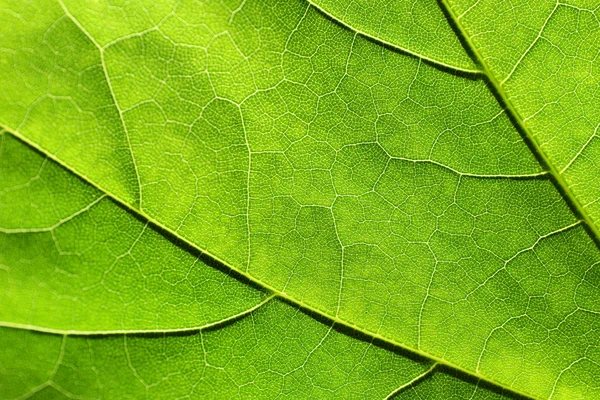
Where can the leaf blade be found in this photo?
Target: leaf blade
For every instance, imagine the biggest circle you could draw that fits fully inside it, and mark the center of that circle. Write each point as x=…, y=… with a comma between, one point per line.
x=402, y=183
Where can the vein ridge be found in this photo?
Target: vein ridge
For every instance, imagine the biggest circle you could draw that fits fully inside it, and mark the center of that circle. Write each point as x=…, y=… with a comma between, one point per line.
x=413, y=381
x=394, y=46
x=69, y=332
x=277, y=293
x=57, y=224
x=112, y=94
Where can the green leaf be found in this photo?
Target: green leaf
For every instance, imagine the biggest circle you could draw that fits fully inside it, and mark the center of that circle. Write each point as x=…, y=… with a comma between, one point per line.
x=285, y=198
x=90, y=267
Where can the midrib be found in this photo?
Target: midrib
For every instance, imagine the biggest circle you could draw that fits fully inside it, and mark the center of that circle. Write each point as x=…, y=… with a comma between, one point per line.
x=242, y=272
x=557, y=177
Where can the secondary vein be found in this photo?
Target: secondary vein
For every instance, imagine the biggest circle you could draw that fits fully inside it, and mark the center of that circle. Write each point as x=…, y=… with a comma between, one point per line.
x=73, y=332
x=402, y=49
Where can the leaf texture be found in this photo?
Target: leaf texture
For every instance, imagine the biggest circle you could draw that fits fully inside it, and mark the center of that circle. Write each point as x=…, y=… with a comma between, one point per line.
x=298, y=199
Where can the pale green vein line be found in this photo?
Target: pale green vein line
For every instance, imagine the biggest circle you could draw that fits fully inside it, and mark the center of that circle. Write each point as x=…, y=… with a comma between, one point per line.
x=468, y=10
x=56, y=225
x=258, y=282
x=77, y=332
x=561, y=374
x=131, y=36
x=317, y=346
x=237, y=10
x=508, y=261
x=412, y=381
x=249, y=244
x=586, y=144
x=132, y=368
x=537, y=38
x=556, y=174
x=29, y=181
x=402, y=49
x=112, y=93
x=342, y=256
x=546, y=236
x=66, y=393
x=48, y=382
x=449, y=168
x=484, y=176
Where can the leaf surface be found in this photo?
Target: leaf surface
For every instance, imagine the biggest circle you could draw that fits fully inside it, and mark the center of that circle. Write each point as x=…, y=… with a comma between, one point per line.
x=361, y=173
x=77, y=262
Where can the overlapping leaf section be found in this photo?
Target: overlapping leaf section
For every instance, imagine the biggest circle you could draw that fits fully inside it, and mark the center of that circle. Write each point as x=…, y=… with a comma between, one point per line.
x=378, y=189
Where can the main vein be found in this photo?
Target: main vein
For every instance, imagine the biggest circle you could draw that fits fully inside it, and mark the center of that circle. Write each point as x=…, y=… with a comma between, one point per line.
x=558, y=179
x=251, y=278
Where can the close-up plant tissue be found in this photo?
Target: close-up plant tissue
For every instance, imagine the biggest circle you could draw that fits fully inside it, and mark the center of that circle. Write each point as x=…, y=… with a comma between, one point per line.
x=304, y=199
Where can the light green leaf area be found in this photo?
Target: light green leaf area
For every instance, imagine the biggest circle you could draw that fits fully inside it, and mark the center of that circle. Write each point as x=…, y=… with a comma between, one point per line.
x=98, y=294
x=274, y=198
x=284, y=353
